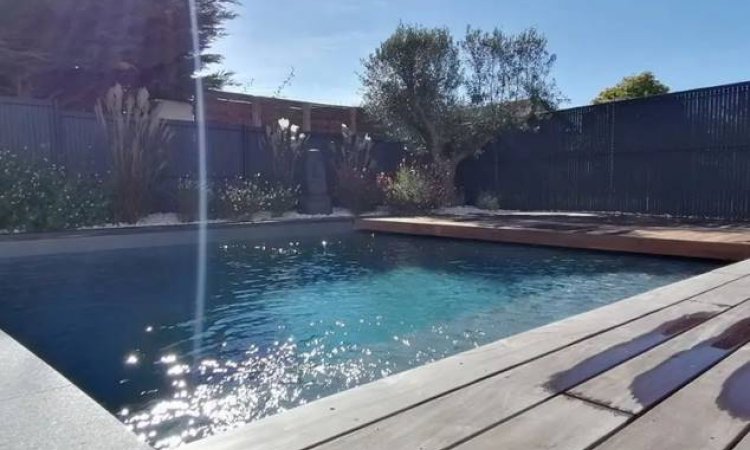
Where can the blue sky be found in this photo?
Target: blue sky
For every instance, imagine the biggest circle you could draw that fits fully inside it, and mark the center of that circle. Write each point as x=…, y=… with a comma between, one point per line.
x=686, y=43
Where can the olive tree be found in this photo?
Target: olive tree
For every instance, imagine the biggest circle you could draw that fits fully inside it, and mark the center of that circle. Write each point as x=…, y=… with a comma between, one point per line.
x=447, y=99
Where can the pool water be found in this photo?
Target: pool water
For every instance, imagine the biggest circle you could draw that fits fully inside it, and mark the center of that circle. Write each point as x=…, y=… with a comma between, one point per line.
x=289, y=322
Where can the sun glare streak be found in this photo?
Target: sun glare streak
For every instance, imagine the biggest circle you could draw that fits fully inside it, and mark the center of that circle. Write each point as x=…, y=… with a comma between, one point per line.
x=200, y=122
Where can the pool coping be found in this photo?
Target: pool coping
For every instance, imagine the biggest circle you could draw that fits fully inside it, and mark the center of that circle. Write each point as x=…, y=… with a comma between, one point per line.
x=192, y=226
x=40, y=408
x=78, y=241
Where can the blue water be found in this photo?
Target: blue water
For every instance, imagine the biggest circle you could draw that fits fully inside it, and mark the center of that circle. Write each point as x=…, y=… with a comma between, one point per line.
x=289, y=322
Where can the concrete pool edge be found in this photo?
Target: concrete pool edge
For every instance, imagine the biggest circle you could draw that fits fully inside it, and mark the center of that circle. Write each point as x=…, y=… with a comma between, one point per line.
x=15, y=246
x=40, y=408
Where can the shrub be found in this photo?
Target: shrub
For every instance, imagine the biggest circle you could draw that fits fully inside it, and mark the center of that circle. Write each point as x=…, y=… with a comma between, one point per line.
x=356, y=190
x=138, y=140
x=488, y=200
x=241, y=198
x=40, y=196
x=278, y=199
x=356, y=187
x=418, y=188
x=187, y=199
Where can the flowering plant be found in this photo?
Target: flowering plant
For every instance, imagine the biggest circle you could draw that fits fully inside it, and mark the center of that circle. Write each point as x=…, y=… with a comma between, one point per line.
x=287, y=145
x=418, y=188
x=356, y=187
x=41, y=196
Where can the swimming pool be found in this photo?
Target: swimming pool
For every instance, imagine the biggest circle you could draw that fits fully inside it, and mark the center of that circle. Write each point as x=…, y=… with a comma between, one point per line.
x=290, y=321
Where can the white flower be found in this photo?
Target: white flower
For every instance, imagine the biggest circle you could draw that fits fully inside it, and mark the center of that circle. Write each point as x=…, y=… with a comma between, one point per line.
x=302, y=136
x=343, y=126
x=294, y=128
x=284, y=123
x=367, y=138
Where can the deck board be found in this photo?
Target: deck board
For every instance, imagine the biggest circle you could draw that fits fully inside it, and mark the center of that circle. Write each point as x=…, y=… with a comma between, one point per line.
x=652, y=376
x=730, y=243
x=540, y=428
x=694, y=417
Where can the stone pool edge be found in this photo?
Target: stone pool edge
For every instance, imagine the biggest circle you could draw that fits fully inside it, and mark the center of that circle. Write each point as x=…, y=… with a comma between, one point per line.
x=79, y=241
x=40, y=408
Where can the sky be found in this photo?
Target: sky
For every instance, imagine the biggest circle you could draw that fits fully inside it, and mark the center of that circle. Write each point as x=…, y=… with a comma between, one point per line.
x=686, y=43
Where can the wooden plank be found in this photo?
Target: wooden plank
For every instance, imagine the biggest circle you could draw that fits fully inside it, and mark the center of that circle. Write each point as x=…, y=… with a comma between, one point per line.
x=728, y=251
x=643, y=381
x=449, y=419
x=740, y=268
x=710, y=413
x=730, y=294
x=341, y=413
x=561, y=423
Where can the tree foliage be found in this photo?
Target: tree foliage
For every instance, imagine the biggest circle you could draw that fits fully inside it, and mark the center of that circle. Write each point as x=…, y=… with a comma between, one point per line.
x=448, y=99
x=74, y=50
x=643, y=84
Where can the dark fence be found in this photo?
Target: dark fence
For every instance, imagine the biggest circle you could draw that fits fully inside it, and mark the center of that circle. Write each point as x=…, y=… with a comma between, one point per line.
x=38, y=129
x=684, y=154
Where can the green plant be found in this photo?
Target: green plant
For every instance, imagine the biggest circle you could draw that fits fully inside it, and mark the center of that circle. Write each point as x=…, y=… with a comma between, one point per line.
x=418, y=188
x=87, y=44
x=447, y=100
x=40, y=196
x=287, y=145
x=356, y=186
x=644, y=84
x=241, y=198
x=187, y=198
x=279, y=199
x=488, y=200
x=138, y=140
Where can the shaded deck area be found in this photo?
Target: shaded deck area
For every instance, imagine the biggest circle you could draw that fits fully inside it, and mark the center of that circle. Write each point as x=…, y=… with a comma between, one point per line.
x=666, y=369
x=648, y=235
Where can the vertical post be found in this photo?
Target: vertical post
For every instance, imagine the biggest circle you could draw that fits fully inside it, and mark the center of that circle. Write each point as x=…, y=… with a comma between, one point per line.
x=353, y=119
x=306, y=117
x=56, y=151
x=243, y=150
x=257, y=113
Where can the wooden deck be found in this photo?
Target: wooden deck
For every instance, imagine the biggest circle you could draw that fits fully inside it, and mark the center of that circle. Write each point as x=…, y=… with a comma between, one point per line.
x=719, y=241
x=666, y=369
